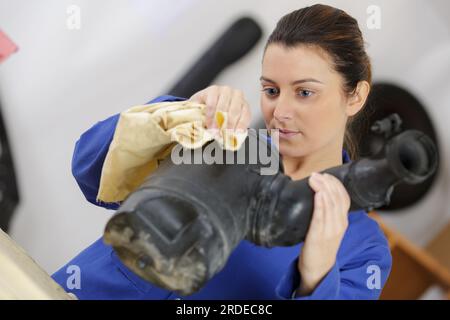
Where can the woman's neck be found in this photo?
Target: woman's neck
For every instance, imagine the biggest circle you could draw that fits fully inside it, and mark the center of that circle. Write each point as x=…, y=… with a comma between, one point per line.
x=301, y=167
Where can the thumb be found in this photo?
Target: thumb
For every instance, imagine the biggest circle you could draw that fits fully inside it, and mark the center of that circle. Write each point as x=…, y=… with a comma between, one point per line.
x=312, y=181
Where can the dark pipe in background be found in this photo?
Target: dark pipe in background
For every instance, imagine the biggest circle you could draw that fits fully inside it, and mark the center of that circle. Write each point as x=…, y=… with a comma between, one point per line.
x=9, y=193
x=232, y=45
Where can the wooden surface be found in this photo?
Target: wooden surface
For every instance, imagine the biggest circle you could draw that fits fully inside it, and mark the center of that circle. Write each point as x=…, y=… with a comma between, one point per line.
x=439, y=247
x=20, y=276
x=414, y=269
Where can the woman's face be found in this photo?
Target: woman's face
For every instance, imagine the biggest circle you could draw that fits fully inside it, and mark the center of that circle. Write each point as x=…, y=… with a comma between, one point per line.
x=303, y=97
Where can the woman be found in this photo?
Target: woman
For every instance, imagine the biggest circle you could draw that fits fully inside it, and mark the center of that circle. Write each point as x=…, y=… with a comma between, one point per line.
x=316, y=77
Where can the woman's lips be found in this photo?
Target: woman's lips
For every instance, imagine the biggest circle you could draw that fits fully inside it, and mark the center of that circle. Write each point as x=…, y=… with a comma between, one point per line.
x=286, y=134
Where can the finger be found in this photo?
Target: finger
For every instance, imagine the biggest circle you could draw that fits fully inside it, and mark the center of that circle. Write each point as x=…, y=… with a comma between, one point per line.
x=331, y=182
x=345, y=200
x=330, y=192
x=328, y=207
x=332, y=219
x=209, y=97
x=223, y=103
x=344, y=195
x=321, y=183
x=317, y=220
x=245, y=118
x=340, y=194
x=235, y=109
x=339, y=218
x=331, y=185
x=211, y=101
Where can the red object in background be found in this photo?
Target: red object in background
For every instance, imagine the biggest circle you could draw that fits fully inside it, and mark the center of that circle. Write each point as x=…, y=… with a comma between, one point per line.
x=7, y=47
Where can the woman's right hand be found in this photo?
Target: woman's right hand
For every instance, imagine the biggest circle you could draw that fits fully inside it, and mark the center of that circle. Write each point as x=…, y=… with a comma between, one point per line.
x=226, y=99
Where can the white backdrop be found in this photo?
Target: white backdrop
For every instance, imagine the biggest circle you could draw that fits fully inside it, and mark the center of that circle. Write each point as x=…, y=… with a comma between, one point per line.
x=63, y=81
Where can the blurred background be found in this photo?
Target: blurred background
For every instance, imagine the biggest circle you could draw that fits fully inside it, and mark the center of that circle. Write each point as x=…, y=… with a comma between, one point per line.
x=78, y=62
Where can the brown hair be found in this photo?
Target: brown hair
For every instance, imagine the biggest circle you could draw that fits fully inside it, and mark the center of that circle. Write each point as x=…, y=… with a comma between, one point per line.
x=338, y=34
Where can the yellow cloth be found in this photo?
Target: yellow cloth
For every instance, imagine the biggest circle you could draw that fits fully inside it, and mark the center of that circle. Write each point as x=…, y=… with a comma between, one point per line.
x=146, y=134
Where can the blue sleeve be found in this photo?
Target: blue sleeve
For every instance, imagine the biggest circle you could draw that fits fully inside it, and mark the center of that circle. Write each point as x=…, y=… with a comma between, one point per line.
x=362, y=277
x=90, y=153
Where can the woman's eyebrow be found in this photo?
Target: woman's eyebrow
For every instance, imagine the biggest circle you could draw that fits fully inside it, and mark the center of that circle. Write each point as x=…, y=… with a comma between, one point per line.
x=293, y=82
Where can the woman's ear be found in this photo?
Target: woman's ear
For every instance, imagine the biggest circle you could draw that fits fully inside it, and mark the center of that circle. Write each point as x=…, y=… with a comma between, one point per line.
x=358, y=98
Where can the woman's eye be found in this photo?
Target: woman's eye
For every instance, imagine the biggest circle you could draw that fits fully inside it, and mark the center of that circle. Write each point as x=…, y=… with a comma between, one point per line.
x=305, y=93
x=270, y=91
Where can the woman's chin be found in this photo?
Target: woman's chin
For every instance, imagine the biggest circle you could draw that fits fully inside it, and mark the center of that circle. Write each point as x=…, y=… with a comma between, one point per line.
x=289, y=149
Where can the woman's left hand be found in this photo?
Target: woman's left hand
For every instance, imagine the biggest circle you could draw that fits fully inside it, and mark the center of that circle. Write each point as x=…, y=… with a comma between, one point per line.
x=326, y=231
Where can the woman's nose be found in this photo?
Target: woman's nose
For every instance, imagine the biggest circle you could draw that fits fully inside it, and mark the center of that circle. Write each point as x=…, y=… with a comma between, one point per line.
x=282, y=111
